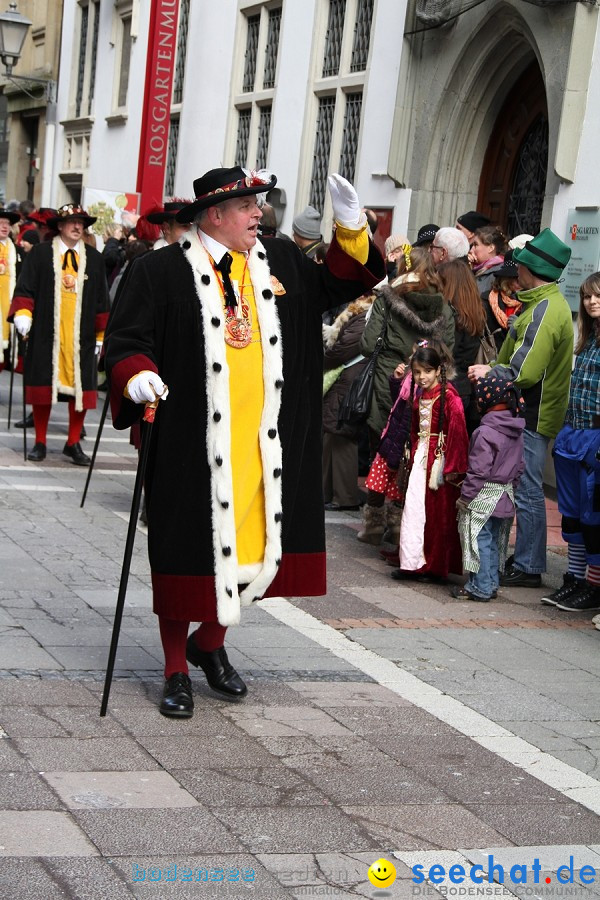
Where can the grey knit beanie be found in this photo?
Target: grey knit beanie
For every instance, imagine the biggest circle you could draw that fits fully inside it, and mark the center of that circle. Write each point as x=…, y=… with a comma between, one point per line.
x=307, y=224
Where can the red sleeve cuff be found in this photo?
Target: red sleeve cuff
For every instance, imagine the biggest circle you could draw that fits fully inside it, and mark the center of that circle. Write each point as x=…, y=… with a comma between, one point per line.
x=19, y=303
x=101, y=322
x=343, y=266
x=124, y=411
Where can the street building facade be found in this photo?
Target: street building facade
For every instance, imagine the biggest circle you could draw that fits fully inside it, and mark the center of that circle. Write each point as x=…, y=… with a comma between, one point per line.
x=430, y=108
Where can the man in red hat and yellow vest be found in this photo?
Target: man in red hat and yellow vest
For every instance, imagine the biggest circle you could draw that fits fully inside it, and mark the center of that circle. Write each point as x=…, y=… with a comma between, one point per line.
x=61, y=306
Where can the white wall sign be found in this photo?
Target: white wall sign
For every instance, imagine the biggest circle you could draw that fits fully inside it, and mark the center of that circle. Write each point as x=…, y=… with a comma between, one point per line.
x=583, y=237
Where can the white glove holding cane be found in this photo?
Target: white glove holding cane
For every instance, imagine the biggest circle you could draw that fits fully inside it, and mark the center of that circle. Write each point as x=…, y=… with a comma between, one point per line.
x=146, y=387
x=344, y=200
x=23, y=324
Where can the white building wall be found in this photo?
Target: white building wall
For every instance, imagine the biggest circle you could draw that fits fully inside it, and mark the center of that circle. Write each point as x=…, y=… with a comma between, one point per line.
x=585, y=190
x=375, y=187
x=115, y=147
x=206, y=91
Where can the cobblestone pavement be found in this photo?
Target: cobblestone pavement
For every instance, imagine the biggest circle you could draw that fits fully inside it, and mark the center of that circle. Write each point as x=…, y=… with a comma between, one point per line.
x=384, y=720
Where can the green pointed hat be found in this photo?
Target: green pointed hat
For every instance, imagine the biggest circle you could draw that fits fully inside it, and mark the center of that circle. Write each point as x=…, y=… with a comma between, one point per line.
x=546, y=255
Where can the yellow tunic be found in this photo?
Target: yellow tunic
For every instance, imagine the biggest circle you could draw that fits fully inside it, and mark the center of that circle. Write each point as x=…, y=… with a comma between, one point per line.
x=68, y=304
x=247, y=397
x=5, y=297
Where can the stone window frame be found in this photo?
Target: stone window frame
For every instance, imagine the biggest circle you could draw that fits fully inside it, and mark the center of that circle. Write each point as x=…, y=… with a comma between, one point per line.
x=260, y=99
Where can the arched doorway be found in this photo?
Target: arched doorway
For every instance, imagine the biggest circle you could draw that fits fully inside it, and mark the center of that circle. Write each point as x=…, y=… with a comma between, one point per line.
x=513, y=176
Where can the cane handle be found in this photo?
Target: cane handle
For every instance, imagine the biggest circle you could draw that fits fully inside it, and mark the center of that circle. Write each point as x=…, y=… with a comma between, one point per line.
x=150, y=408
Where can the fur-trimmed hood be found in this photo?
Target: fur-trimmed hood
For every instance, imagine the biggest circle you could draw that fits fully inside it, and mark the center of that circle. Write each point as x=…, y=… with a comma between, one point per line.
x=421, y=312
x=332, y=332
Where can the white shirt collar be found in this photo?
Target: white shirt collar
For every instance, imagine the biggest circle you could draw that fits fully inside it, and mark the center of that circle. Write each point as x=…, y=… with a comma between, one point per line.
x=216, y=250
x=64, y=248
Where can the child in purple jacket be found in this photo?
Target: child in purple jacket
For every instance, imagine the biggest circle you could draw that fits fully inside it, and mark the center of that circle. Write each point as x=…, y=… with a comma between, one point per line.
x=486, y=503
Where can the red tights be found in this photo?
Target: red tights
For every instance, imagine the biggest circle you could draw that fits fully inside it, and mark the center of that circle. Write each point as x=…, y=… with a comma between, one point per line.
x=173, y=634
x=41, y=415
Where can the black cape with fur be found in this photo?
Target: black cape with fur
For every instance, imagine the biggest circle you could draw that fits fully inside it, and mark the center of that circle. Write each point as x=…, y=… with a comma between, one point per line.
x=169, y=319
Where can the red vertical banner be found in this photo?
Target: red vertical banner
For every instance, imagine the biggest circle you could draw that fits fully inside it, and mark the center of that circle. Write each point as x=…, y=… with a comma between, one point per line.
x=156, y=111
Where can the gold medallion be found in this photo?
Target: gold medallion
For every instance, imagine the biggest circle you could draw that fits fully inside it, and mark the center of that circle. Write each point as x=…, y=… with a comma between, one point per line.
x=238, y=332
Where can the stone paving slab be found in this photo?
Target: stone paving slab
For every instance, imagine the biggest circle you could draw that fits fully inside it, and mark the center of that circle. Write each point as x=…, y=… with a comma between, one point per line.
x=560, y=823
x=21, y=791
x=122, y=832
x=284, y=829
x=119, y=790
x=42, y=833
x=85, y=754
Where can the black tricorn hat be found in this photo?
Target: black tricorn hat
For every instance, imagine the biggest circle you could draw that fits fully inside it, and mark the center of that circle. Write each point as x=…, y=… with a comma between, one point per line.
x=169, y=212
x=224, y=184
x=71, y=211
x=12, y=217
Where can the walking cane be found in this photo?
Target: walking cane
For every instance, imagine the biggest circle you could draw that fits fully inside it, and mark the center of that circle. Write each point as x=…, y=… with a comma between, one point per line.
x=148, y=419
x=24, y=404
x=96, y=445
x=12, y=373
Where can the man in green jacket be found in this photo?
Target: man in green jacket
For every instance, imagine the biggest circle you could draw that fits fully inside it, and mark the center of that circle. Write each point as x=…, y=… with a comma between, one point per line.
x=537, y=355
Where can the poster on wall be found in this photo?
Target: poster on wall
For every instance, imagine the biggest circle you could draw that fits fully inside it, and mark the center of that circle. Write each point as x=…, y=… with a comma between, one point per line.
x=583, y=238
x=110, y=206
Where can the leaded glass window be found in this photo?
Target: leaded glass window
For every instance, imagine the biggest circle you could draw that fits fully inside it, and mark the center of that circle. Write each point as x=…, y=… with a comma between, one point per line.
x=362, y=36
x=527, y=197
x=182, y=33
x=125, y=61
x=264, y=129
x=251, y=53
x=243, y=134
x=350, y=138
x=272, y=48
x=81, y=61
x=94, y=54
x=172, y=157
x=322, y=151
x=333, y=38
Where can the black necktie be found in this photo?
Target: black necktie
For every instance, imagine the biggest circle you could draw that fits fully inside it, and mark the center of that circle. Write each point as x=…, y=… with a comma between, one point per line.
x=224, y=268
x=73, y=260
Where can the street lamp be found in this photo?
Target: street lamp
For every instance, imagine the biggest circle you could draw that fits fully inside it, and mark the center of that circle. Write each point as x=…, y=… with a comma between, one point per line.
x=13, y=31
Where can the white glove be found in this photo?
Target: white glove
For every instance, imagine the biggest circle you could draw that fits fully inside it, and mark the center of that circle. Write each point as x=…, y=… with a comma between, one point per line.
x=344, y=199
x=23, y=324
x=98, y=348
x=146, y=387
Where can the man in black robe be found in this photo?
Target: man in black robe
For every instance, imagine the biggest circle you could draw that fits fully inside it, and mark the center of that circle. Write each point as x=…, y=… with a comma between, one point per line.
x=233, y=484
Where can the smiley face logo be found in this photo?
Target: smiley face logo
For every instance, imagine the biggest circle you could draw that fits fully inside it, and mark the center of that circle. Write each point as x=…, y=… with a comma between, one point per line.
x=381, y=873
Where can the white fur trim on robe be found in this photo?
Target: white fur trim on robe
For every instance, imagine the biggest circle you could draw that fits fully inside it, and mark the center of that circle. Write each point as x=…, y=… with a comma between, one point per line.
x=228, y=574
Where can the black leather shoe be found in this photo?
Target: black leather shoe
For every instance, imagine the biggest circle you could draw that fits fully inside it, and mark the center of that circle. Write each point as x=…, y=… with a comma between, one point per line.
x=38, y=453
x=177, y=700
x=76, y=454
x=83, y=433
x=514, y=577
x=220, y=674
x=25, y=423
